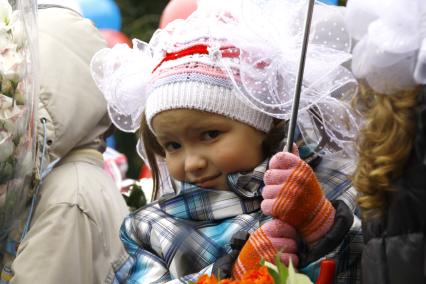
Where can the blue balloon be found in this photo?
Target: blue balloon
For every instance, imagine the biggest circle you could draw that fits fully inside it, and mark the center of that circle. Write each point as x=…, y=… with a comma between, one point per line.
x=105, y=14
x=110, y=141
x=330, y=2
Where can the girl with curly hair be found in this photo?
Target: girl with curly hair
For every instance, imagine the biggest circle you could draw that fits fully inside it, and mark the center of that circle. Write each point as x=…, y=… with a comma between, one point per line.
x=390, y=60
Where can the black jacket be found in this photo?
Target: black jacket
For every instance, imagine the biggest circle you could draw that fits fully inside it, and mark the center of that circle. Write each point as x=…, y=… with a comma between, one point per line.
x=395, y=250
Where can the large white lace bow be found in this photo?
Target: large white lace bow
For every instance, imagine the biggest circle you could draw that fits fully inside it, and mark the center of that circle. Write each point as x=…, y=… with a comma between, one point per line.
x=122, y=74
x=391, y=52
x=269, y=35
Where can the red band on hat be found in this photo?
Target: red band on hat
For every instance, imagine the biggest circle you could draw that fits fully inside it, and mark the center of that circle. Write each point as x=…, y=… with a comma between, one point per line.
x=230, y=52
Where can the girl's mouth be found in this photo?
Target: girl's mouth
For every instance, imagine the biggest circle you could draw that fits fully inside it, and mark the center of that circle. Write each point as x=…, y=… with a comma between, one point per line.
x=206, y=182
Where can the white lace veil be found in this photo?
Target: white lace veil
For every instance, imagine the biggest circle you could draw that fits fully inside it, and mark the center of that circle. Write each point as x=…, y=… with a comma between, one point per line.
x=268, y=34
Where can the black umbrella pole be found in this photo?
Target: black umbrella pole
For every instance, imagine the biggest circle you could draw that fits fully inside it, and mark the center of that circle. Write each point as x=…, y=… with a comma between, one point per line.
x=299, y=78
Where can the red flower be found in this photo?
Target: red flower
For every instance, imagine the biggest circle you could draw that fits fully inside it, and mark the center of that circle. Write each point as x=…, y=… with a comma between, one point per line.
x=205, y=279
x=256, y=276
x=227, y=281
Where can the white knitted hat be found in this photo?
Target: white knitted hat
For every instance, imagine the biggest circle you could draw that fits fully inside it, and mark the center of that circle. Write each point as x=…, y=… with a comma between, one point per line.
x=190, y=79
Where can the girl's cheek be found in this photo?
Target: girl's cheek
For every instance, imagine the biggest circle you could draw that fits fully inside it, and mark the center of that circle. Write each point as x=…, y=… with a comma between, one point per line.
x=176, y=169
x=227, y=159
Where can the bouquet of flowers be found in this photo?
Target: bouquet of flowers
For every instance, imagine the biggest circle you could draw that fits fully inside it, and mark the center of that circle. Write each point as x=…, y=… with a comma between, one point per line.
x=17, y=132
x=277, y=273
x=267, y=273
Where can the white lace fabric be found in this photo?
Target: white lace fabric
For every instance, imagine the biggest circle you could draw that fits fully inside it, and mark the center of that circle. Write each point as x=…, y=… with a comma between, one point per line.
x=391, y=51
x=269, y=35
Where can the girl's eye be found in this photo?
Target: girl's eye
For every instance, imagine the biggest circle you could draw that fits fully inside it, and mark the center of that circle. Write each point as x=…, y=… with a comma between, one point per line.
x=171, y=146
x=209, y=135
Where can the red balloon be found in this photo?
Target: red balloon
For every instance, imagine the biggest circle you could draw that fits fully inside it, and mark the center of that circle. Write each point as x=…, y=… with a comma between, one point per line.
x=113, y=37
x=177, y=9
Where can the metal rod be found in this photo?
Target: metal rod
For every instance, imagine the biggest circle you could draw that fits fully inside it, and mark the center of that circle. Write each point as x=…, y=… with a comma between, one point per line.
x=299, y=78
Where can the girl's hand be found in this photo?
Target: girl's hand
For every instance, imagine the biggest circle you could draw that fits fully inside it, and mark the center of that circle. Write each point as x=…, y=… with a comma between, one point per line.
x=265, y=243
x=293, y=194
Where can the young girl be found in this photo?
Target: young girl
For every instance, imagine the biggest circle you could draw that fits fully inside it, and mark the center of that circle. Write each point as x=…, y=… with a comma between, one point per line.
x=390, y=58
x=209, y=144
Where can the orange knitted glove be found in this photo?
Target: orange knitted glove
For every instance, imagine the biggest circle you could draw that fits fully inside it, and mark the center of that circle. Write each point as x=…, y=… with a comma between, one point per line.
x=272, y=237
x=293, y=194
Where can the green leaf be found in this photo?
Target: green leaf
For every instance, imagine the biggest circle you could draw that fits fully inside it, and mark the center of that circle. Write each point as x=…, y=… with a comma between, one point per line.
x=272, y=269
x=296, y=278
x=282, y=269
x=136, y=198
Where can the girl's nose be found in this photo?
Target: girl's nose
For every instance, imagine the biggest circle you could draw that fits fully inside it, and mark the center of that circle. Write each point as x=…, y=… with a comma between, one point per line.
x=194, y=162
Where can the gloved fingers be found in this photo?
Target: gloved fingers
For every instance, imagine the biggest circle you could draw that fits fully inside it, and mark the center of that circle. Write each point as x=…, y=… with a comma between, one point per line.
x=276, y=228
x=285, y=258
x=266, y=206
x=285, y=245
x=283, y=160
x=277, y=176
x=271, y=191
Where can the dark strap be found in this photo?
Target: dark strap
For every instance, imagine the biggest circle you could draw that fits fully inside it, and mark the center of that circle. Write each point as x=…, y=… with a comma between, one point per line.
x=343, y=221
x=222, y=267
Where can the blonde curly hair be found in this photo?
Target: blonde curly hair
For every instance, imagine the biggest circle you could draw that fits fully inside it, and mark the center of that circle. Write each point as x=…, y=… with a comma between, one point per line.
x=383, y=146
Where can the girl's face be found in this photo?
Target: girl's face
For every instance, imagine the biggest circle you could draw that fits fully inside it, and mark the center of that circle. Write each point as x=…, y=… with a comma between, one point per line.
x=203, y=148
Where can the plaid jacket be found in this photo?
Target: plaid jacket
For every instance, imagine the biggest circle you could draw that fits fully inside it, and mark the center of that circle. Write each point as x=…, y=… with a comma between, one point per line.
x=179, y=238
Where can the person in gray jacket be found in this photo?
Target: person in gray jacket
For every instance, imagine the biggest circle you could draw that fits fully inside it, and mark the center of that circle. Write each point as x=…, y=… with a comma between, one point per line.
x=73, y=234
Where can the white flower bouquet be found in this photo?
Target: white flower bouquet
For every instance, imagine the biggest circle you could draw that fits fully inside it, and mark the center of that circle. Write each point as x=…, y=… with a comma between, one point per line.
x=17, y=96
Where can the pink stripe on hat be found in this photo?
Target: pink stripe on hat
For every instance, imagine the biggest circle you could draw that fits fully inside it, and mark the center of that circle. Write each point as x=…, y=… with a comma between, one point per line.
x=191, y=78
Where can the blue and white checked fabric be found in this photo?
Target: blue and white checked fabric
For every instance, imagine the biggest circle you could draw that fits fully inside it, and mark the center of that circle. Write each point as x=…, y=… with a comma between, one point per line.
x=177, y=239
x=333, y=174
x=166, y=243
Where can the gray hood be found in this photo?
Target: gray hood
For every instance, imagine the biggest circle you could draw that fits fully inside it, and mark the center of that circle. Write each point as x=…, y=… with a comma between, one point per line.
x=74, y=108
